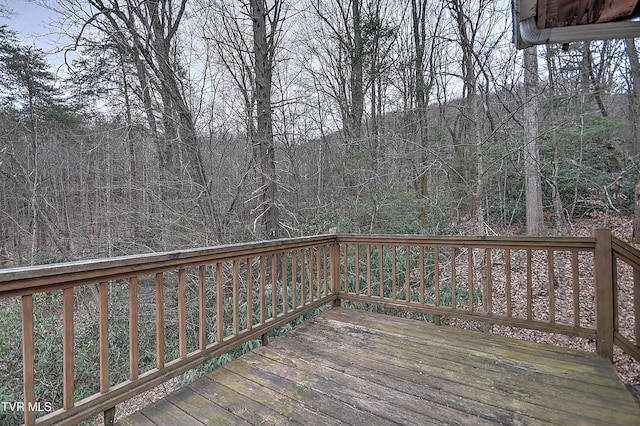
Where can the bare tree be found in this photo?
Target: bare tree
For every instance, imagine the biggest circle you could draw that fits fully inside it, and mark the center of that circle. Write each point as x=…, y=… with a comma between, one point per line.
x=146, y=34
x=634, y=112
x=266, y=20
x=247, y=39
x=531, y=152
x=465, y=24
x=343, y=26
x=426, y=45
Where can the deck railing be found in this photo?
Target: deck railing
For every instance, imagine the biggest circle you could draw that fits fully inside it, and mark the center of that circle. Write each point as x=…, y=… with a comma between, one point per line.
x=532, y=283
x=227, y=296
x=626, y=298
x=224, y=297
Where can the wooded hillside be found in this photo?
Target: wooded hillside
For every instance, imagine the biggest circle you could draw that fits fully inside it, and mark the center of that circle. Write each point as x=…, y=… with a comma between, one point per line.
x=181, y=124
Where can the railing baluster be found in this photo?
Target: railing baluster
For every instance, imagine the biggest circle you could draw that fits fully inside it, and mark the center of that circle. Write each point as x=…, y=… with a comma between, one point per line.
x=318, y=273
x=381, y=270
x=453, y=278
x=334, y=270
x=357, y=268
x=160, y=320
x=507, y=279
x=236, y=293
x=302, y=286
x=294, y=279
x=133, y=328
x=322, y=283
x=249, y=294
x=551, y=286
x=310, y=274
x=202, y=307
x=636, y=303
x=488, y=294
x=436, y=274
x=274, y=286
x=407, y=274
x=529, y=287
x=470, y=277
x=264, y=338
x=262, y=291
x=346, y=267
x=368, y=270
x=421, y=296
x=285, y=283
x=614, y=292
x=575, y=271
x=393, y=272
x=182, y=312
x=103, y=295
x=322, y=265
x=67, y=348
x=28, y=367
x=326, y=267
x=220, y=302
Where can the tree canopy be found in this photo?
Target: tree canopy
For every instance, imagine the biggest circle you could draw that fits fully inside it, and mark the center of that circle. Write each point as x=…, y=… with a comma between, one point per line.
x=181, y=124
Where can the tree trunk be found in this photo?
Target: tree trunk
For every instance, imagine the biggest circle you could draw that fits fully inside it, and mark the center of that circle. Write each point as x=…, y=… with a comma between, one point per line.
x=133, y=181
x=531, y=157
x=472, y=100
x=595, y=82
x=634, y=110
x=264, y=127
x=34, y=179
x=357, y=94
x=418, y=13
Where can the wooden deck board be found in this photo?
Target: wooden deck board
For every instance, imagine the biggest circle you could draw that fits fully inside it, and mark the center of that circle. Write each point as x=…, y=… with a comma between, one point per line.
x=294, y=410
x=353, y=367
x=137, y=419
x=239, y=405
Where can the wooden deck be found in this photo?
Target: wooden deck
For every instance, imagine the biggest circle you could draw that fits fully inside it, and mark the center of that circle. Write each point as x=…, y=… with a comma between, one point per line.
x=352, y=367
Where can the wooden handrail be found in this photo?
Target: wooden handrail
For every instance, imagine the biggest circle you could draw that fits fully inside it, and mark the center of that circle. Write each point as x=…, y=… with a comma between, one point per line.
x=32, y=279
x=472, y=278
x=513, y=242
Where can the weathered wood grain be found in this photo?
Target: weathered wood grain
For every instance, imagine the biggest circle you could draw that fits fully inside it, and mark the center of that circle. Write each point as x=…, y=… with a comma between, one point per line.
x=137, y=419
x=352, y=367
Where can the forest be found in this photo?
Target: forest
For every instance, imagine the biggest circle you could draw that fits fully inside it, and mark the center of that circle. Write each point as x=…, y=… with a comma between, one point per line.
x=177, y=124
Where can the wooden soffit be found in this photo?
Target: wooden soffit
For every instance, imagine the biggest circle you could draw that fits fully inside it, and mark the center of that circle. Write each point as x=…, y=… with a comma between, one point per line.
x=558, y=13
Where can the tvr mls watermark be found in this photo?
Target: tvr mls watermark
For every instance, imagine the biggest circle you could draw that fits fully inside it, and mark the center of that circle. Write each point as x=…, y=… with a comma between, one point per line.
x=39, y=407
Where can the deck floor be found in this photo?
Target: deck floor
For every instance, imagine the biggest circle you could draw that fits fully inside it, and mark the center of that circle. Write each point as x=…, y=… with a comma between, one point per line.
x=352, y=367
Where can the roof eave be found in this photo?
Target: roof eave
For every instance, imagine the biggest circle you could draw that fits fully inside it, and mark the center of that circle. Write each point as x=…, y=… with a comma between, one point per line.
x=528, y=34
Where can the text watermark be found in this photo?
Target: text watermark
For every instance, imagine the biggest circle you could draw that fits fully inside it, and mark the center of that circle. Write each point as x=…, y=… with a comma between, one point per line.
x=38, y=407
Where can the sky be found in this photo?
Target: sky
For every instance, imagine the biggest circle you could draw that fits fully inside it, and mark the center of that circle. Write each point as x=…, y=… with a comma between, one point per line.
x=30, y=21
x=34, y=26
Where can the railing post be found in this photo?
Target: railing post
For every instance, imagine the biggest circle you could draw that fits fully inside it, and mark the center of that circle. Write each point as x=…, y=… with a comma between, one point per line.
x=636, y=302
x=603, y=265
x=109, y=416
x=28, y=363
x=334, y=267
